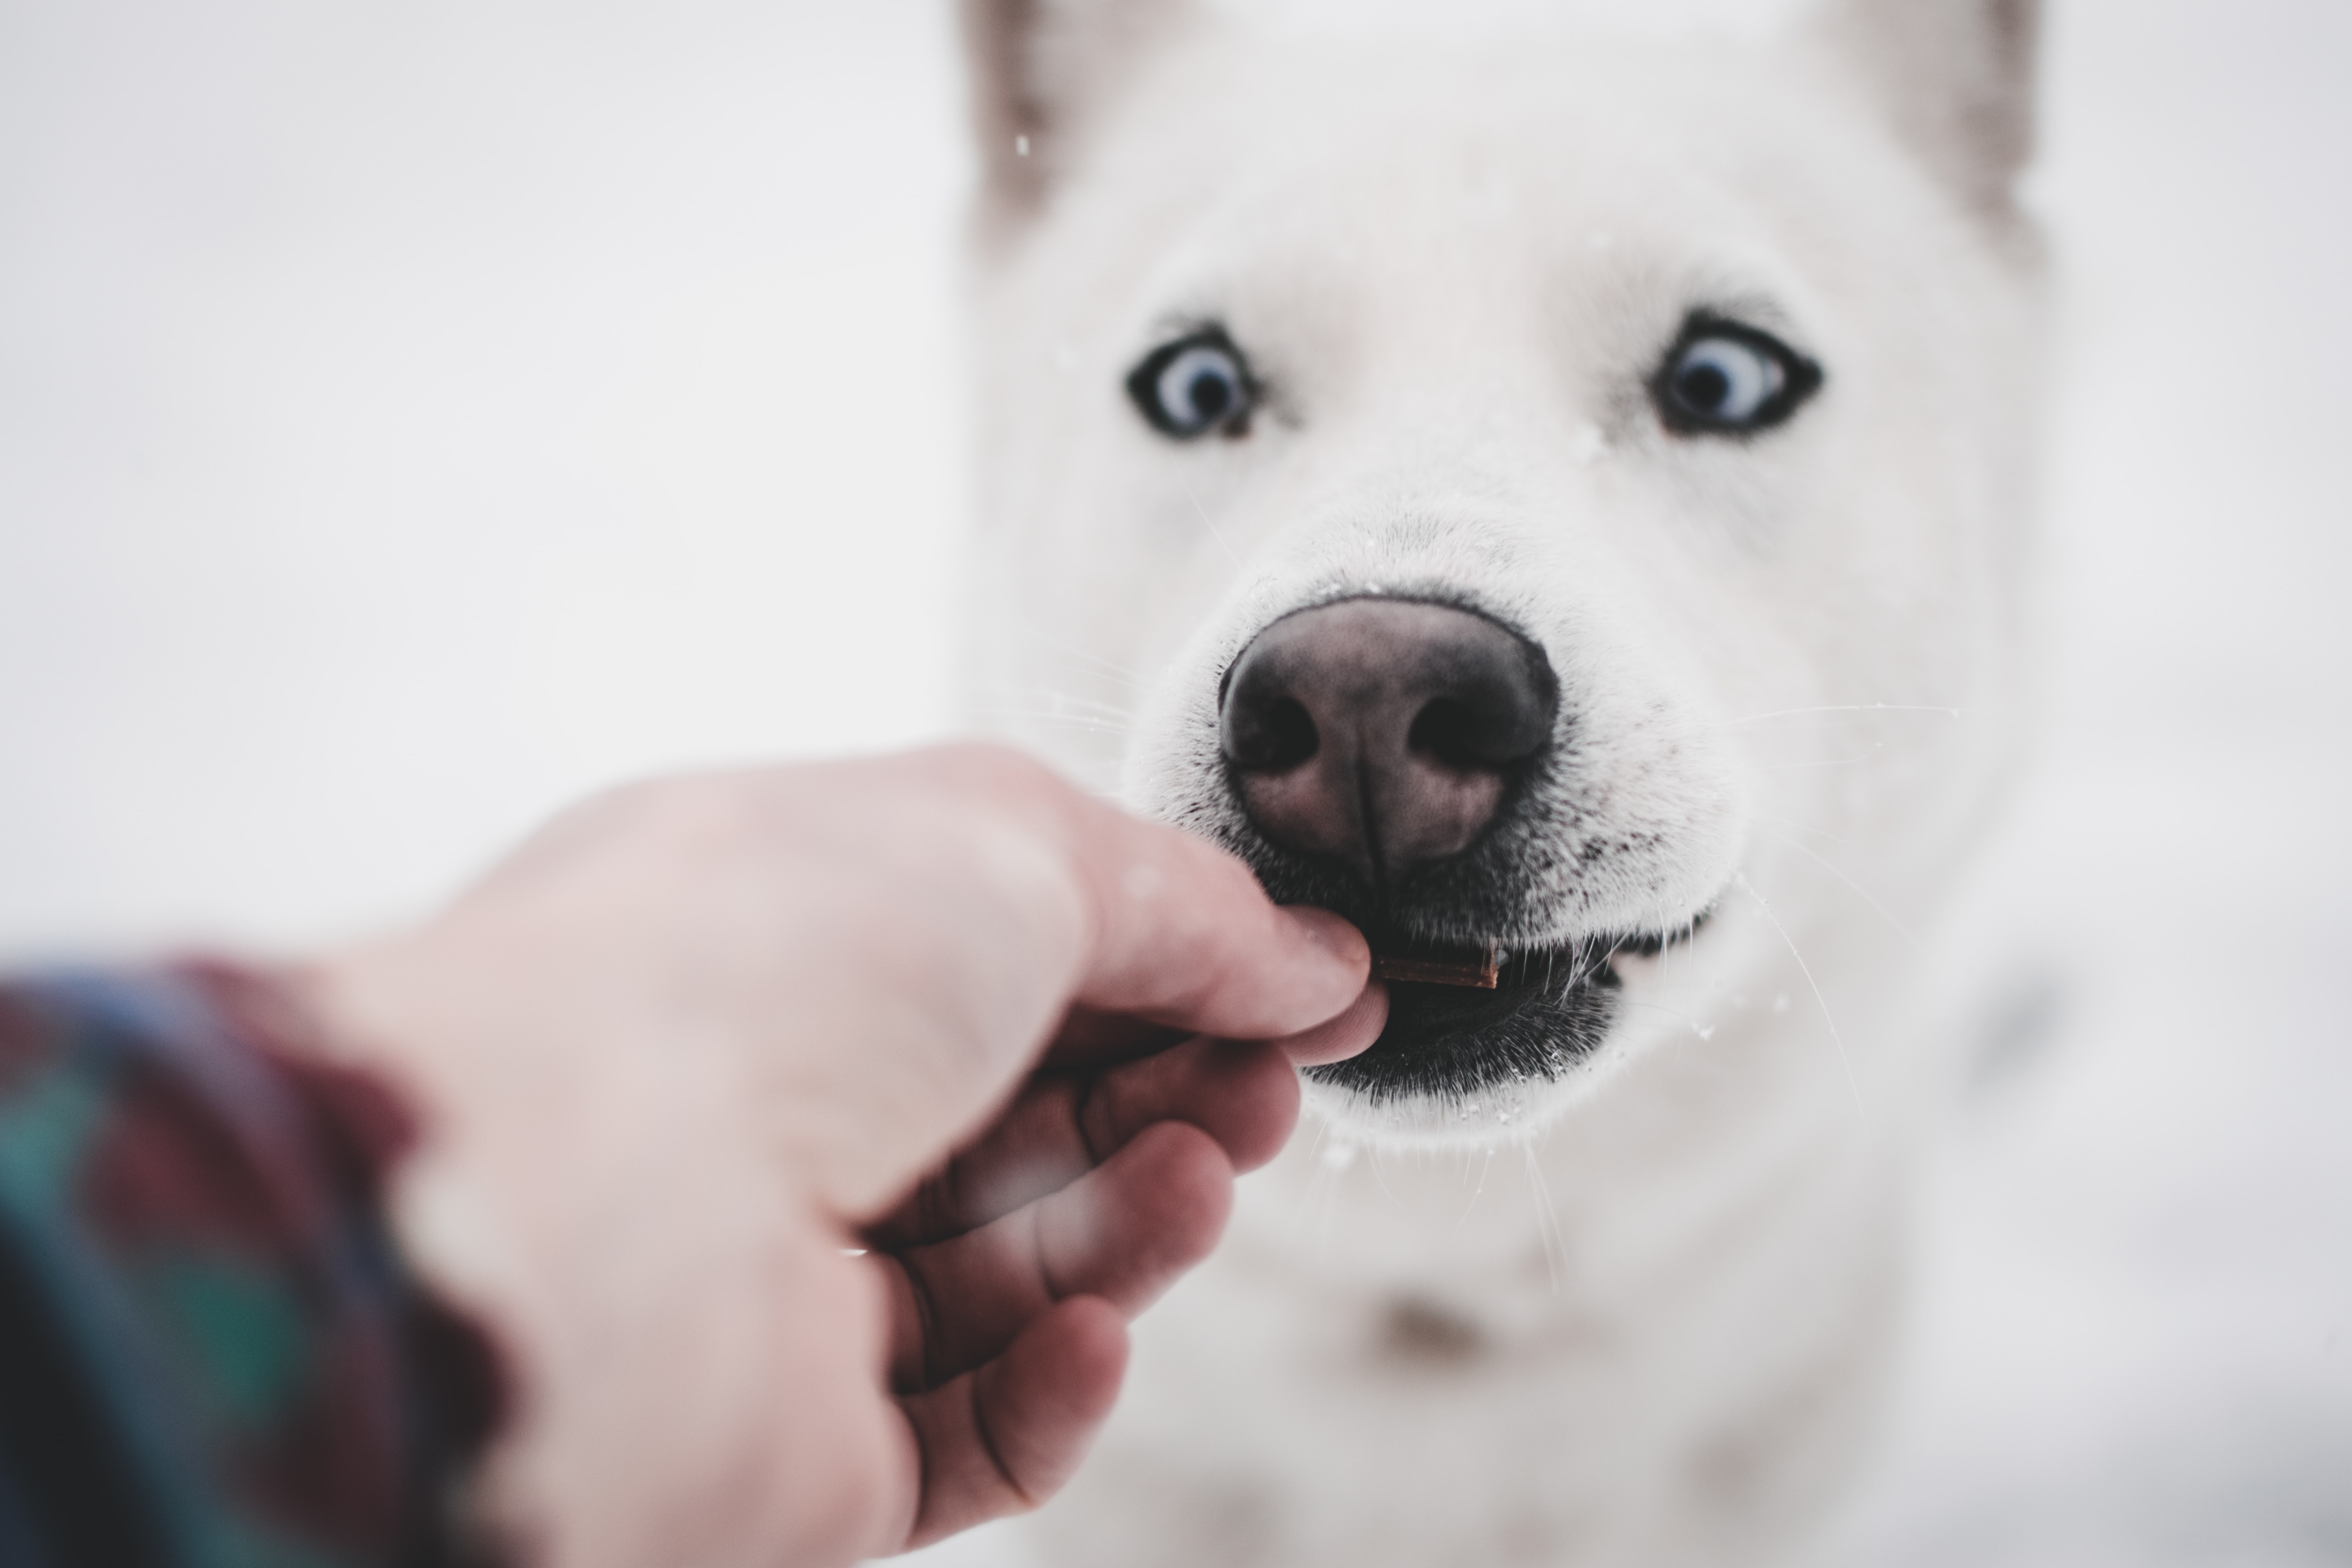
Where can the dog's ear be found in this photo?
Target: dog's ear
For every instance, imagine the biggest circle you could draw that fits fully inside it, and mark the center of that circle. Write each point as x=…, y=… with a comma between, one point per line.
x=1039, y=70
x=1957, y=77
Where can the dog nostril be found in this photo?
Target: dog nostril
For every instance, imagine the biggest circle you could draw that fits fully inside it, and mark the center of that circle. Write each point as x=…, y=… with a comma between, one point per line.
x=1474, y=732
x=1449, y=733
x=1383, y=733
x=1270, y=737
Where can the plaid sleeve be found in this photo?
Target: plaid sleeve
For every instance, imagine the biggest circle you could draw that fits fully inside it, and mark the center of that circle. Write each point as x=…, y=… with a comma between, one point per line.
x=211, y=1353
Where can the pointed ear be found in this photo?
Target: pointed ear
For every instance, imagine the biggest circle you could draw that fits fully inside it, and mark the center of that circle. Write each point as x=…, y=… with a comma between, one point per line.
x=1040, y=70
x=1957, y=77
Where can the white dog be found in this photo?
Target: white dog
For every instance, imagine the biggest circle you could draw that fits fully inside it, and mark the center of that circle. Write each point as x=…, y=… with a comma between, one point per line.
x=1562, y=502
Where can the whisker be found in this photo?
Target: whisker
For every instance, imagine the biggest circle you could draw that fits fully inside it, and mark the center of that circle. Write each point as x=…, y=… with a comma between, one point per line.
x=1859, y=891
x=1203, y=513
x=1059, y=700
x=1831, y=762
x=1805, y=969
x=1465, y=1215
x=1846, y=707
x=1546, y=1219
x=1381, y=1177
x=1082, y=721
x=1322, y=1173
x=1330, y=1210
x=1588, y=970
x=1656, y=1008
x=1121, y=672
x=1801, y=828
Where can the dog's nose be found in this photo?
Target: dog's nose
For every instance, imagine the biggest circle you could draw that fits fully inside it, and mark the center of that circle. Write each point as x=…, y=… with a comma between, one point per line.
x=1382, y=732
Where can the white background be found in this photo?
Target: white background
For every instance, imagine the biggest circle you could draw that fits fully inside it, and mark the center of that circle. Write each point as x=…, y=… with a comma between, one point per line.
x=411, y=416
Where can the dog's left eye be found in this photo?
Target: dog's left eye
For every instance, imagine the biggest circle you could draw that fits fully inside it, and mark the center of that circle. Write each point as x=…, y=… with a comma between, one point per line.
x=1722, y=378
x=1195, y=385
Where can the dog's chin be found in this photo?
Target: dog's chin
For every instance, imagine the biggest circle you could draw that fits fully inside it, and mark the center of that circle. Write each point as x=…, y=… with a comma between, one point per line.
x=1462, y=1065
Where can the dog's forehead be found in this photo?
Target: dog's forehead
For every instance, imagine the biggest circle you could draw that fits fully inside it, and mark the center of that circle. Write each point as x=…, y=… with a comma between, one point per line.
x=1310, y=182
x=1285, y=138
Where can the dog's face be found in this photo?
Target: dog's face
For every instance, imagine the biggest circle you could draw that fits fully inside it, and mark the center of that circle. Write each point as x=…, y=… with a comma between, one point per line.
x=1440, y=477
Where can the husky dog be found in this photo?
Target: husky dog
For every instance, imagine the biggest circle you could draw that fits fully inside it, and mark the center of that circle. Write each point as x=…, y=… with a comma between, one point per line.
x=1561, y=502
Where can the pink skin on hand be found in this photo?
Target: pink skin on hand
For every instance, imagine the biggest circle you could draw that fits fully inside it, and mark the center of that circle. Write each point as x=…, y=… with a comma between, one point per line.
x=697, y=1039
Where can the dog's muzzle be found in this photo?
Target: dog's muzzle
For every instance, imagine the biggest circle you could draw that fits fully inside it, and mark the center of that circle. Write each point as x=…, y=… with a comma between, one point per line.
x=1382, y=751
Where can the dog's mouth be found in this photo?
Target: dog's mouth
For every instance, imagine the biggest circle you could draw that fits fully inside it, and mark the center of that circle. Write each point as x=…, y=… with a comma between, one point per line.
x=1450, y=1036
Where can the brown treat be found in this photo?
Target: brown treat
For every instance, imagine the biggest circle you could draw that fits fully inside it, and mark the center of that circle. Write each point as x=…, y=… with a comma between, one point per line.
x=1477, y=968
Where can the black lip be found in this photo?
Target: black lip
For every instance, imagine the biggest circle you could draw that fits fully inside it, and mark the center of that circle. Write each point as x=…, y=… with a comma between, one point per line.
x=1552, y=1009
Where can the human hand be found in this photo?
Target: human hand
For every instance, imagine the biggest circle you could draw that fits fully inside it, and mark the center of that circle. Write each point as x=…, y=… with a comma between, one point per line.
x=699, y=1038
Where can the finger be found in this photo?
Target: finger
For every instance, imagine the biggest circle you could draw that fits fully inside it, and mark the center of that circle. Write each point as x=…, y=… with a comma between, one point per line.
x=1351, y=1033
x=1243, y=1095
x=1124, y=1232
x=972, y=899
x=1184, y=935
x=1089, y=1038
x=1004, y=1439
x=1175, y=929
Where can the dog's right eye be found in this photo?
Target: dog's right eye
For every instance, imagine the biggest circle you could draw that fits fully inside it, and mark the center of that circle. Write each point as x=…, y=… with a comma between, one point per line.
x=1195, y=385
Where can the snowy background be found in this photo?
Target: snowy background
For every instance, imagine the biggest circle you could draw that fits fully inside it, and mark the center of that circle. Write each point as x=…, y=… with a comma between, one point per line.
x=411, y=416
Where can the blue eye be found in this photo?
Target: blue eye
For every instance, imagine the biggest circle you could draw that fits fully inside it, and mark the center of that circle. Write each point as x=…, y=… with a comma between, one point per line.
x=1722, y=378
x=1195, y=385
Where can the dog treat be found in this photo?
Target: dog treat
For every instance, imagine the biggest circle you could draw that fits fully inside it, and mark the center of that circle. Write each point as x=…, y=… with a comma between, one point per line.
x=1479, y=969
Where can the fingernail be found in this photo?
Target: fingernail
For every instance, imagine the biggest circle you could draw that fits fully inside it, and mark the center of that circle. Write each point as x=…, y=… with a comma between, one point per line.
x=1332, y=934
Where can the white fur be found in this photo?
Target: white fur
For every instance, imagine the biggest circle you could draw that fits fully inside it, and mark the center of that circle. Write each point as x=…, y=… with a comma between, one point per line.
x=1636, y=1315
